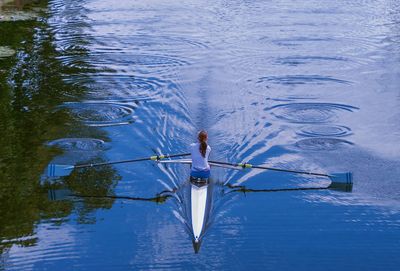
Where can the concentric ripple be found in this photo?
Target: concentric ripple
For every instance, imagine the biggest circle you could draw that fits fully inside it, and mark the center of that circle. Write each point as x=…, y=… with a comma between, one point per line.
x=159, y=42
x=102, y=113
x=139, y=59
x=309, y=112
x=321, y=144
x=300, y=60
x=302, y=79
x=79, y=144
x=119, y=86
x=324, y=130
x=296, y=41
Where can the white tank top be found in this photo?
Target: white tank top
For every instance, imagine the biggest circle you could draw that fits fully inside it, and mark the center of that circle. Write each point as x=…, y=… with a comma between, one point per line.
x=199, y=163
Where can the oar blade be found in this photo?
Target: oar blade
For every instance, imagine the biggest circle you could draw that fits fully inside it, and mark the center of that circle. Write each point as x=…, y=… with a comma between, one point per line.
x=54, y=170
x=341, y=181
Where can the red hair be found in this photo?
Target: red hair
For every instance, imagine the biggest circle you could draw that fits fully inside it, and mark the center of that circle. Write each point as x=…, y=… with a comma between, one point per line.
x=202, y=137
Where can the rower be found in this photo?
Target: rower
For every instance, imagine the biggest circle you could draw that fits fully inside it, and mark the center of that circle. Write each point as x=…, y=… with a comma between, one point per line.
x=200, y=151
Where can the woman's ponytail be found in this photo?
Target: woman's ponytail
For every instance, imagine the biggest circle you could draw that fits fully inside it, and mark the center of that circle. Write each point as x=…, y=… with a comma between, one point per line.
x=203, y=142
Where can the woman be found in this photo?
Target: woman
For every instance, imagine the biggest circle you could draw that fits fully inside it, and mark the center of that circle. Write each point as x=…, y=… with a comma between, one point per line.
x=200, y=152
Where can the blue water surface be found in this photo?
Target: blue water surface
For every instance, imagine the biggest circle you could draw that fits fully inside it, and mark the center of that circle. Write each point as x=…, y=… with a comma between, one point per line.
x=308, y=85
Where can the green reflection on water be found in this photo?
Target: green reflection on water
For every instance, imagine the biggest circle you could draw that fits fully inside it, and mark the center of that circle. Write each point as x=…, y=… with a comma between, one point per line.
x=31, y=90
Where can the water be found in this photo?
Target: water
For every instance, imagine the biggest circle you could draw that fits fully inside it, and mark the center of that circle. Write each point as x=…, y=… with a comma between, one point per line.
x=309, y=85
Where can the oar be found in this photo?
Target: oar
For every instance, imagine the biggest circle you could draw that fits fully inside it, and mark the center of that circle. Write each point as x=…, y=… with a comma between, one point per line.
x=337, y=179
x=244, y=189
x=55, y=170
x=65, y=194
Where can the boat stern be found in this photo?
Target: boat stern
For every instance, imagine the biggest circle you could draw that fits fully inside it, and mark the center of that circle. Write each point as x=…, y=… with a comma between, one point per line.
x=196, y=245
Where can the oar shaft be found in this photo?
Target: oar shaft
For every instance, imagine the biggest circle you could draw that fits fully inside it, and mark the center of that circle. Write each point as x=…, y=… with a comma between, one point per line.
x=246, y=165
x=154, y=158
x=292, y=171
x=155, y=199
x=244, y=189
x=111, y=163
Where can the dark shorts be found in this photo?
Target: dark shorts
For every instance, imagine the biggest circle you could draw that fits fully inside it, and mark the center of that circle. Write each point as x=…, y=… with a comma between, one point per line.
x=200, y=174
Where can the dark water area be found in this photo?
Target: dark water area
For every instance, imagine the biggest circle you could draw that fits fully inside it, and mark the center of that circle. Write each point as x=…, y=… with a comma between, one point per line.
x=307, y=85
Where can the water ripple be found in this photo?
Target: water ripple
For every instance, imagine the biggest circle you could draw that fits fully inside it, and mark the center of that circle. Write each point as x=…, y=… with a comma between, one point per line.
x=324, y=130
x=102, y=113
x=302, y=79
x=309, y=112
x=147, y=60
x=321, y=144
x=120, y=86
x=296, y=41
x=141, y=41
x=300, y=60
x=79, y=144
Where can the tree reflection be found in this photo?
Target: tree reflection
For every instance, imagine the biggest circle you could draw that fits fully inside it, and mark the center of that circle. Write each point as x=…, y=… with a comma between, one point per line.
x=31, y=89
x=96, y=181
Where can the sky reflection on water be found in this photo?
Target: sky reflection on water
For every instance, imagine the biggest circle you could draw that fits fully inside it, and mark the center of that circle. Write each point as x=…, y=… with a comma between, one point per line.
x=309, y=85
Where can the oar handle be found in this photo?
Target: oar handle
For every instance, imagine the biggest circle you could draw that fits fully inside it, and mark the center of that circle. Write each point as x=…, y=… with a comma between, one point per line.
x=247, y=165
x=153, y=158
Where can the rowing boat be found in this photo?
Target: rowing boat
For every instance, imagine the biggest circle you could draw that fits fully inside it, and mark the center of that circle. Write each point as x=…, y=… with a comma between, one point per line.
x=200, y=207
x=200, y=204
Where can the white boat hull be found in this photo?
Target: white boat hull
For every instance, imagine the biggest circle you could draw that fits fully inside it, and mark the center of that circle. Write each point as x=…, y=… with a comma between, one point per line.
x=198, y=210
